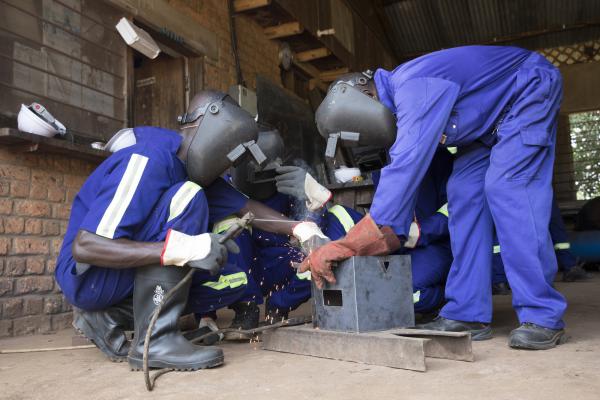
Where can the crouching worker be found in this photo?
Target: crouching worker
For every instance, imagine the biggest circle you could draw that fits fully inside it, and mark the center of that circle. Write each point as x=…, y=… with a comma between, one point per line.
x=137, y=226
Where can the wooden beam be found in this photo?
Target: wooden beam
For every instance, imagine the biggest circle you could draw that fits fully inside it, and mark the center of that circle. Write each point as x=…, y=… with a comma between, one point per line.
x=312, y=54
x=308, y=69
x=283, y=30
x=247, y=5
x=328, y=76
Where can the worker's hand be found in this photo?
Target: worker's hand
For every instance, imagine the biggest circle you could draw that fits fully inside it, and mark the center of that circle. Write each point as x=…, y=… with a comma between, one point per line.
x=414, y=234
x=297, y=182
x=197, y=251
x=320, y=262
x=309, y=235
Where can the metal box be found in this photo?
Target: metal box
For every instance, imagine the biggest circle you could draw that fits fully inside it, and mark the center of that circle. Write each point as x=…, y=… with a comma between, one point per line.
x=371, y=294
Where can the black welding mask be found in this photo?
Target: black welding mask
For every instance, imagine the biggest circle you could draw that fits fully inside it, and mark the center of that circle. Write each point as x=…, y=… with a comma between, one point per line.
x=258, y=181
x=349, y=114
x=224, y=135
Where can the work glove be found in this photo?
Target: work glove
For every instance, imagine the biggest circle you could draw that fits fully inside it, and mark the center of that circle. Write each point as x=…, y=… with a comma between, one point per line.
x=296, y=182
x=364, y=239
x=310, y=236
x=197, y=251
x=414, y=234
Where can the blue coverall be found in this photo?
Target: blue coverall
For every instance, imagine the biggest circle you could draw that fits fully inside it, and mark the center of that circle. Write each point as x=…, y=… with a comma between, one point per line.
x=499, y=106
x=560, y=240
x=139, y=193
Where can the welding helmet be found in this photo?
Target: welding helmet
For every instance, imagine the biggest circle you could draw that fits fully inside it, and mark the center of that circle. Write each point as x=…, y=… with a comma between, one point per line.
x=348, y=113
x=256, y=181
x=123, y=138
x=34, y=118
x=223, y=135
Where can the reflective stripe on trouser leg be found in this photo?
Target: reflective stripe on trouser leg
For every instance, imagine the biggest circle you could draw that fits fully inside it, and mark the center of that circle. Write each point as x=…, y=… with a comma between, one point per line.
x=228, y=281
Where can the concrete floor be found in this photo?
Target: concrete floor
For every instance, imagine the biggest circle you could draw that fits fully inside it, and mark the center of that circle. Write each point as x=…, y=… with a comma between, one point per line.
x=571, y=371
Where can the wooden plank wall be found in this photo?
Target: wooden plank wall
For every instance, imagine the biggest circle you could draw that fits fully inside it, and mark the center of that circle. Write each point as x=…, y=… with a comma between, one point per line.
x=67, y=55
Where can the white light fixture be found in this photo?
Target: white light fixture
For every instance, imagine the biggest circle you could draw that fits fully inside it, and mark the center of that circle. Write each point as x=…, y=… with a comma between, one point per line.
x=138, y=38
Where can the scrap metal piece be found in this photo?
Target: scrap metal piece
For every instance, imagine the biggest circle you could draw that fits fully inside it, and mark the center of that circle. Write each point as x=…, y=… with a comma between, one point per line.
x=400, y=348
x=449, y=345
x=368, y=348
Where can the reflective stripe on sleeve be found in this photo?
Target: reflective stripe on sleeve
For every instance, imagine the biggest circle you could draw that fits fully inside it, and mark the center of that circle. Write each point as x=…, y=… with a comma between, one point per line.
x=562, y=246
x=123, y=195
x=444, y=210
x=182, y=198
x=343, y=216
x=228, y=281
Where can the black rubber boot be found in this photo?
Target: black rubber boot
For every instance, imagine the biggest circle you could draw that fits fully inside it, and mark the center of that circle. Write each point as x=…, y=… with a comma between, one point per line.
x=274, y=315
x=534, y=337
x=500, y=289
x=479, y=331
x=106, y=328
x=247, y=315
x=168, y=348
x=574, y=274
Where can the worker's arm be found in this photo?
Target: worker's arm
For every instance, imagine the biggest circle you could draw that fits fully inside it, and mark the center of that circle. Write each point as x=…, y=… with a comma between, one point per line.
x=204, y=251
x=283, y=224
x=423, y=107
x=89, y=248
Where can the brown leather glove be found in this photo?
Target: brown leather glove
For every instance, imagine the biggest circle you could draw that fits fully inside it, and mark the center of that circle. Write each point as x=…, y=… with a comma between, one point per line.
x=364, y=239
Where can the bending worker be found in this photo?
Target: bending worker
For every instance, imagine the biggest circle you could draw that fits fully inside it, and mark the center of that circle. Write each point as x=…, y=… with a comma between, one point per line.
x=499, y=106
x=140, y=222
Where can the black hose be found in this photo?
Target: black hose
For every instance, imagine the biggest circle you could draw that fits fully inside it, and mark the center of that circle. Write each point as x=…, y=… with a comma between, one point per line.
x=234, y=49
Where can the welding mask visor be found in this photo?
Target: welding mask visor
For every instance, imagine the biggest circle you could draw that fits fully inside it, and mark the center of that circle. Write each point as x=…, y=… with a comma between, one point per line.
x=224, y=136
x=258, y=181
x=349, y=115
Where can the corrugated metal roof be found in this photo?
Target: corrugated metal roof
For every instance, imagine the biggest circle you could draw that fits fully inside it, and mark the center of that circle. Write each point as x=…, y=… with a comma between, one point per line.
x=421, y=26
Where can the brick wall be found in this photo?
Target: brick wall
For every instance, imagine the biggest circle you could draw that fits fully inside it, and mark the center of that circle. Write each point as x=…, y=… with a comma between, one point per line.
x=258, y=55
x=36, y=191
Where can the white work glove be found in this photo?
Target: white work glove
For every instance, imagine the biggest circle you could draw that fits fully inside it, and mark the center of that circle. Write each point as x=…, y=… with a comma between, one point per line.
x=199, y=251
x=295, y=181
x=310, y=236
x=414, y=233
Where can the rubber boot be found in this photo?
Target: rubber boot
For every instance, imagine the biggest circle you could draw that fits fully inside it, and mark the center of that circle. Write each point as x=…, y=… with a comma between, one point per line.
x=574, y=274
x=274, y=315
x=106, y=328
x=168, y=348
x=534, y=337
x=247, y=315
x=479, y=331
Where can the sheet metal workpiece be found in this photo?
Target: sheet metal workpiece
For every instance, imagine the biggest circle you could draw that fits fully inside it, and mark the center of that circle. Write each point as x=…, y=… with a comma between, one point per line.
x=371, y=294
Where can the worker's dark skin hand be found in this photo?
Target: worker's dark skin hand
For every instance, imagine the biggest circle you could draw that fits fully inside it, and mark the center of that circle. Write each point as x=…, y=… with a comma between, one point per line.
x=89, y=248
x=261, y=211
